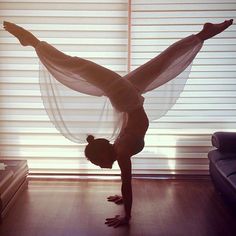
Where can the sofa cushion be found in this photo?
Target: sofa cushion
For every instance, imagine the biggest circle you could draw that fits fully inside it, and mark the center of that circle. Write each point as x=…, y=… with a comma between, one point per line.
x=226, y=167
x=216, y=155
x=232, y=180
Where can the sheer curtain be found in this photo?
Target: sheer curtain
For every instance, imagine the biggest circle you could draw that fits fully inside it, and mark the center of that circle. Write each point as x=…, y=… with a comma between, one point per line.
x=120, y=35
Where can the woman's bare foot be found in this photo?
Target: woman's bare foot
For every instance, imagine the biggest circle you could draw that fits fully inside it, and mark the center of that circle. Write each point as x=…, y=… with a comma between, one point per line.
x=210, y=30
x=24, y=36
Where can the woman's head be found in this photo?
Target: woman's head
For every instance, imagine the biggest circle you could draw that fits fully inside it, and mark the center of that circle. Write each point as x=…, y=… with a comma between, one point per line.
x=100, y=152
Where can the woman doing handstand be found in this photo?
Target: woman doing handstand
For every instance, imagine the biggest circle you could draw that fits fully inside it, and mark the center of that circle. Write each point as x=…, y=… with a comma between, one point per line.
x=124, y=94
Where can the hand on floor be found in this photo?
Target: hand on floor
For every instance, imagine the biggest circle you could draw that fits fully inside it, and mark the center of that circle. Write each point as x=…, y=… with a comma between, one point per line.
x=117, y=221
x=116, y=199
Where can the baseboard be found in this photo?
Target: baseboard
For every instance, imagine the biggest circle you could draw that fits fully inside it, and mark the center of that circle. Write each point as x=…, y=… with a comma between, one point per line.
x=112, y=177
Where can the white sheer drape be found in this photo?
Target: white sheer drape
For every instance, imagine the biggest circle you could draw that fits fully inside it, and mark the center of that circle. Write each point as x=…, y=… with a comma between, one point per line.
x=66, y=115
x=62, y=75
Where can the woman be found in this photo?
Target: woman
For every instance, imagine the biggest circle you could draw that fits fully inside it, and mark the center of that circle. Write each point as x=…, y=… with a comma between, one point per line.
x=124, y=94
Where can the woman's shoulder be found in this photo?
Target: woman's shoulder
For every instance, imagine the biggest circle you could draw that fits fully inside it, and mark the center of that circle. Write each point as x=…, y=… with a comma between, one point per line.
x=121, y=149
x=128, y=145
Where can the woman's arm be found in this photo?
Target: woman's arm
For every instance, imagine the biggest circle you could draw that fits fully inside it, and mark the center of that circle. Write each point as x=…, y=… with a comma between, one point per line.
x=126, y=190
x=126, y=187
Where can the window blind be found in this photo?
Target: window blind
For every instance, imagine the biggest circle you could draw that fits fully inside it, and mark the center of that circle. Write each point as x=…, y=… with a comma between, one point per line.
x=95, y=30
x=120, y=35
x=178, y=143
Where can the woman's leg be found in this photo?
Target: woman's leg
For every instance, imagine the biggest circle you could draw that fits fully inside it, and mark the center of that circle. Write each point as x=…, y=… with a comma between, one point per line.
x=174, y=60
x=71, y=71
x=79, y=74
x=25, y=37
x=210, y=30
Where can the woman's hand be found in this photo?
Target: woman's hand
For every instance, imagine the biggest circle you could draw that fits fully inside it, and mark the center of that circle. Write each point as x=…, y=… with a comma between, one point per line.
x=117, y=221
x=116, y=199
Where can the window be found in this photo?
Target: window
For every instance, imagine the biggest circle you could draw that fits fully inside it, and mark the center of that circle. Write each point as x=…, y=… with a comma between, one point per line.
x=120, y=35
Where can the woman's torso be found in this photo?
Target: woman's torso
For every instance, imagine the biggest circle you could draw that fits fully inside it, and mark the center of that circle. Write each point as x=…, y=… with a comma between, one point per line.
x=131, y=138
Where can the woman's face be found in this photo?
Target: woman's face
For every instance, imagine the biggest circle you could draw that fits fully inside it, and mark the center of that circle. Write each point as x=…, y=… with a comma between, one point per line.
x=107, y=158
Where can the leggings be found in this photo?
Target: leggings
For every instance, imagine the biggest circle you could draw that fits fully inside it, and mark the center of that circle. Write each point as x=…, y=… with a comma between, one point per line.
x=124, y=92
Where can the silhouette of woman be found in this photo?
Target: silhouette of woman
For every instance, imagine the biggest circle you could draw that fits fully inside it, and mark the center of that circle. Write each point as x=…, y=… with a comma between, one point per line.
x=124, y=93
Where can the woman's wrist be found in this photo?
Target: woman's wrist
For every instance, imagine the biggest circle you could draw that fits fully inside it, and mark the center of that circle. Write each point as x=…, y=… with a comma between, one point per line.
x=127, y=217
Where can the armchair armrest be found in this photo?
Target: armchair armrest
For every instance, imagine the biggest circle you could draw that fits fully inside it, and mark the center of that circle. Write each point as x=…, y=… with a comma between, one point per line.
x=224, y=141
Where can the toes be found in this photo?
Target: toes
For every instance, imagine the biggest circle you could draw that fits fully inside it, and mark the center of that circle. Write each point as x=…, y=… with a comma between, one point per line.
x=4, y=24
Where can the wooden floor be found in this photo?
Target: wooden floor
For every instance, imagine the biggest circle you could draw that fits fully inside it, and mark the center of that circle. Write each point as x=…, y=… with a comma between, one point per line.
x=160, y=208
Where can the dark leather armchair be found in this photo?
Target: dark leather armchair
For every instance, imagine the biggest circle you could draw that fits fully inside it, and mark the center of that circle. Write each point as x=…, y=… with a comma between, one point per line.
x=222, y=164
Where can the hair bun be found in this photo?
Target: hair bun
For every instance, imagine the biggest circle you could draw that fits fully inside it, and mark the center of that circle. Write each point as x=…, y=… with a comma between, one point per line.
x=90, y=138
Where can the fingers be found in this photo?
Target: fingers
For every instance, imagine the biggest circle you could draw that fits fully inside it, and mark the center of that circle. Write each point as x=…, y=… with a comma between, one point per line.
x=113, y=197
x=119, y=201
x=110, y=219
x=113, y=222
x=116, y=221
x=116, y=199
